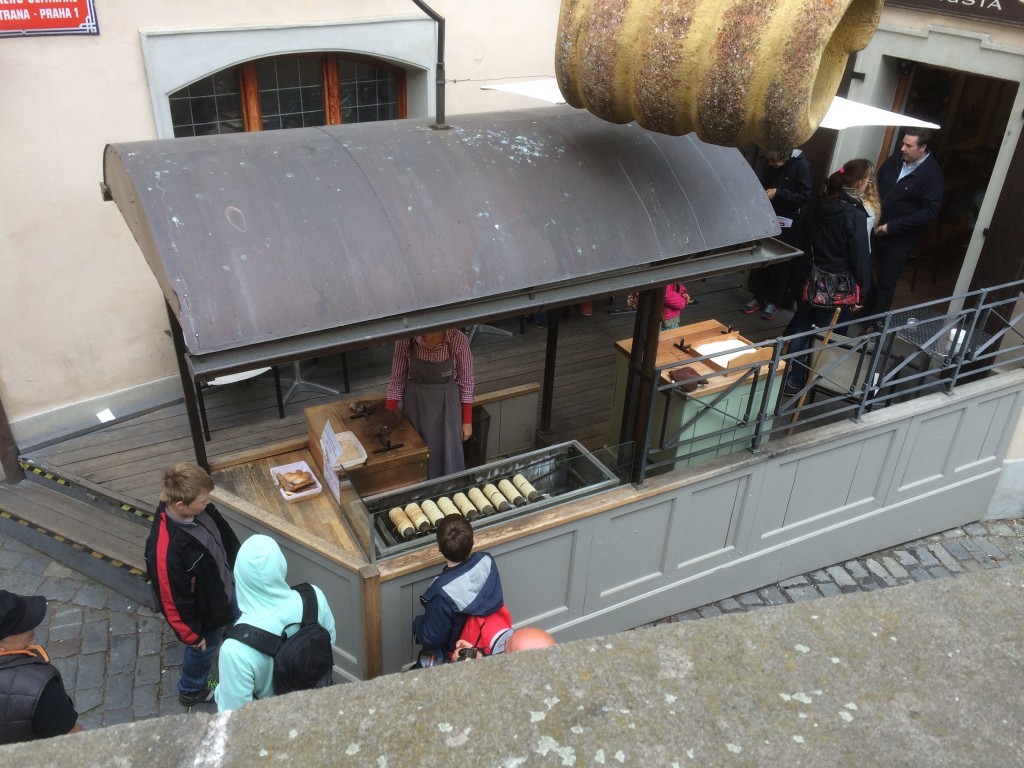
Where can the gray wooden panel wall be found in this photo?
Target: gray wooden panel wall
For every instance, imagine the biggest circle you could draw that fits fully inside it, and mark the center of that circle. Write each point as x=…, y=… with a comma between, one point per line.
x=513, y=426
x=742, y=522
x=342, y=587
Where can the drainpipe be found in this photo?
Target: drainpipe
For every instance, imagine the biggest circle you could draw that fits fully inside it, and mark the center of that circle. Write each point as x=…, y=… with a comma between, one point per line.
x=439, y=124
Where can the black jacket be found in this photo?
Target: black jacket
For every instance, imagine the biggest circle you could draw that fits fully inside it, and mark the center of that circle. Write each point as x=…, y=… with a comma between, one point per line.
x=24, y=677
x=185, y=578
x=909, y=204
x=792, y=183
x=839, y=238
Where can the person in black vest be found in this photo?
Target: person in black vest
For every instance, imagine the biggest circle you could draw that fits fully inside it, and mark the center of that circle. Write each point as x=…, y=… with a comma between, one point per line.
x=33, y=701
x=787, y=182
x=910, y=184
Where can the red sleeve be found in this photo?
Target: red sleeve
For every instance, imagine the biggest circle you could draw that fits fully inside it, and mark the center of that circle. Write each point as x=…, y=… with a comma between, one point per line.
x=399, y=371
x=172, y=603
x=467, y=413
x=391, y=405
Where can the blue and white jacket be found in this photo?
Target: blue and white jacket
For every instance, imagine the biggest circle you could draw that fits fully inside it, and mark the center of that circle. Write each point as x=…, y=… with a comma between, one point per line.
x=472, y=588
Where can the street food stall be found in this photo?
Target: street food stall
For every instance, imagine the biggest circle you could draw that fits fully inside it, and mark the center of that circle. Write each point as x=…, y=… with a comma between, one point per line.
x=284, y=245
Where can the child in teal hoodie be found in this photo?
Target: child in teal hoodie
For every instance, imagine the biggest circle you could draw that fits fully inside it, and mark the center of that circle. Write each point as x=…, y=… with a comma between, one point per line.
x=267, y=602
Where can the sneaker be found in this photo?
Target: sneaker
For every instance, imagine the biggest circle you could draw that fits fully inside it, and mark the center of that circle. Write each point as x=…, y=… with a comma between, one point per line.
x=770, y=311
x=751, y=306
x=586, y=309
x=203, y=696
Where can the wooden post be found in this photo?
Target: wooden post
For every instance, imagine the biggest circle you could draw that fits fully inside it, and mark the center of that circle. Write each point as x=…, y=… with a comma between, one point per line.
x=9, y=460
x=812, y=372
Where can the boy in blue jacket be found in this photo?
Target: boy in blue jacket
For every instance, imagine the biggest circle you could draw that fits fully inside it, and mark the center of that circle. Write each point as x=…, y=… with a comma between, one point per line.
x=468, y=586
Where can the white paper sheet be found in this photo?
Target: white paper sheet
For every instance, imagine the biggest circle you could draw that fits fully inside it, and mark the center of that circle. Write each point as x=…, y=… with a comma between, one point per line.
x=724, y=347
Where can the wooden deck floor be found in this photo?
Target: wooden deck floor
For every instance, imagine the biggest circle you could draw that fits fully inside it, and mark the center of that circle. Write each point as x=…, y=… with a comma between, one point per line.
x=127, y=458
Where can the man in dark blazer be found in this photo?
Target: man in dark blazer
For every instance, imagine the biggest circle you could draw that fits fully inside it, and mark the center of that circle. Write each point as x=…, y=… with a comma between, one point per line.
x=910, y=185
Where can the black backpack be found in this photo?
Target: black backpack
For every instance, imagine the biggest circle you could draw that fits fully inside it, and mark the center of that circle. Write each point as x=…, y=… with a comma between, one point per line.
x=303, y=661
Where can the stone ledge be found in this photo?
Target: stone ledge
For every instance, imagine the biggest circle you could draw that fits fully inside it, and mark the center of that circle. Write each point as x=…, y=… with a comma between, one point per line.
x=870, y=678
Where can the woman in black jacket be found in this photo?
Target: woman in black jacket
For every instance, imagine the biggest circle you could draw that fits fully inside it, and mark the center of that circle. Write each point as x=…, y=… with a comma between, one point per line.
x=837, y=232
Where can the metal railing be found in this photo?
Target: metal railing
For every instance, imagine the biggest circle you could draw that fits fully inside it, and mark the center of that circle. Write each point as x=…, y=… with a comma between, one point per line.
x=741, y=400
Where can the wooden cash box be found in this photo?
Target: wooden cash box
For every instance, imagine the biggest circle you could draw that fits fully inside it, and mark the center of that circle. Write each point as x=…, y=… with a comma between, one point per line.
x=404, y=464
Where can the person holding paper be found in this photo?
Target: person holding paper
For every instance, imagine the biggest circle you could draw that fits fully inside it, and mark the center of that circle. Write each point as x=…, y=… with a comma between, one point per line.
x=787, y=183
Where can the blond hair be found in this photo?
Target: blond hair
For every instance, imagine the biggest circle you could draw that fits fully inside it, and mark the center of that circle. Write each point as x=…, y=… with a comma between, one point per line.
x=185, y=482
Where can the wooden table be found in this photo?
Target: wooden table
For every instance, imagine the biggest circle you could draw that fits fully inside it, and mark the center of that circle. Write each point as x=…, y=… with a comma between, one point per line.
x=710, y=430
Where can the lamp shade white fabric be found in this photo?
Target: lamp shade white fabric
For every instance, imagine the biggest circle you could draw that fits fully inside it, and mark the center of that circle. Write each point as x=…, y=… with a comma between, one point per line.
x=843, y=113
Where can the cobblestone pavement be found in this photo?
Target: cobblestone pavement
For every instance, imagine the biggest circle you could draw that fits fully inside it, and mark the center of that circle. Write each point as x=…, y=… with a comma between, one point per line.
x=121, y=662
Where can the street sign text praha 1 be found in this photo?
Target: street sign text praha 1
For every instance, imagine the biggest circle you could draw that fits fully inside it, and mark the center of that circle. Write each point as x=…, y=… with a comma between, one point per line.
x=21, y=18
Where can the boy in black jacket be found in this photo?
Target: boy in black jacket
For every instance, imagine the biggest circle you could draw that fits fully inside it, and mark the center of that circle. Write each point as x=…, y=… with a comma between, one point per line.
x=189, y=555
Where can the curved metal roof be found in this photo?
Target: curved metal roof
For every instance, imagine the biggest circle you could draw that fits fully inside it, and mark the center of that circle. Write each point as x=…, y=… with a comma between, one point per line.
x=275, y=245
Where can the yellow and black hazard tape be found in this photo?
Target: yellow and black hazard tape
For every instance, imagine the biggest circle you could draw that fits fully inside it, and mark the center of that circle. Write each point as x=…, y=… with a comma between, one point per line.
x=44, y=473
x=49, y=475
x=73, y=544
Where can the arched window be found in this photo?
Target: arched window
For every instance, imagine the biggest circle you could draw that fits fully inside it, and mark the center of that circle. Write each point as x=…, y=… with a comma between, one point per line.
x=298, y=91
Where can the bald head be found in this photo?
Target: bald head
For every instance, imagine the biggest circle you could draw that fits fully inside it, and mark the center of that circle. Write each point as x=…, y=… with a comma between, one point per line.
x=529, y=638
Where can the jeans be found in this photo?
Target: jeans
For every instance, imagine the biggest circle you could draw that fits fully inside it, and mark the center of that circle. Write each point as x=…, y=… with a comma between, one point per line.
x=805, y=318
x=196, y=664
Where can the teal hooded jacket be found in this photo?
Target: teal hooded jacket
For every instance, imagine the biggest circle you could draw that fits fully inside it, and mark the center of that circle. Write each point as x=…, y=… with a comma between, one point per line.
x=267, y=602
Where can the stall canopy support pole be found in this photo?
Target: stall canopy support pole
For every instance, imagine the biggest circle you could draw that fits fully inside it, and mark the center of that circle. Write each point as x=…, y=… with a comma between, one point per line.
x=547, y=396
x=189, y=388
x=642, y=361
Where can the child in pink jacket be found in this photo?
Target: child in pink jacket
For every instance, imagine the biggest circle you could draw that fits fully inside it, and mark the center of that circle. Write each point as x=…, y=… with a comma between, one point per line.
x=676, y=298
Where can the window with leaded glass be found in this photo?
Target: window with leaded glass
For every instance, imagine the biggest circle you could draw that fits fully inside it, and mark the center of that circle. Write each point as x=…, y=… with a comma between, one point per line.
x=297, y=91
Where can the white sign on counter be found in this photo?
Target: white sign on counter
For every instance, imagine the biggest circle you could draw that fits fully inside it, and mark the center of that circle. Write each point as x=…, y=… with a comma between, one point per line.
x=331, y=450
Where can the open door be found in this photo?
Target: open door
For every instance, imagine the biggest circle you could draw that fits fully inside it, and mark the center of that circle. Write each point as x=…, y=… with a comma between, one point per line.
x=973, y=111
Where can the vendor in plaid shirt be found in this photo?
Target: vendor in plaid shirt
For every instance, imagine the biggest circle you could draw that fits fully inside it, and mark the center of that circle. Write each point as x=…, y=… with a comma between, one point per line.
x=432, y=376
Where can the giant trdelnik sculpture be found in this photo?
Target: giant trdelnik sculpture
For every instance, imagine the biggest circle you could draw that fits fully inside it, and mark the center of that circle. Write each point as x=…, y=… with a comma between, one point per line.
x=733, y=71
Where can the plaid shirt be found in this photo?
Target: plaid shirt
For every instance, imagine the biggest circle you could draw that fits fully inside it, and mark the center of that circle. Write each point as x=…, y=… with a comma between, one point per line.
x=455, y=343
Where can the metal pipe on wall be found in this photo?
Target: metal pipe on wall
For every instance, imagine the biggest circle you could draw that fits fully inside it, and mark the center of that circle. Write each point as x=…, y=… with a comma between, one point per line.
x=439, y=122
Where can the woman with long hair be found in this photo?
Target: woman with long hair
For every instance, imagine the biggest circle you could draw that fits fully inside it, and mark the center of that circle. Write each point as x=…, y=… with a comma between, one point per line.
x=837, y=241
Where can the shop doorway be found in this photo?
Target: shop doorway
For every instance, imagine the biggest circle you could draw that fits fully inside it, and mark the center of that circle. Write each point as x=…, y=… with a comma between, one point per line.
x=973, y=112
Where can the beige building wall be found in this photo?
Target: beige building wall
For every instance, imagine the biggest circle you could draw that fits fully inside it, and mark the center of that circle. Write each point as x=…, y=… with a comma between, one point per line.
x=83, y=320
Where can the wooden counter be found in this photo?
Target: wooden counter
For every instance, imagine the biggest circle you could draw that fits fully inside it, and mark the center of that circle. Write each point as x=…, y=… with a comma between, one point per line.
x=695, y=335
x=318, y=516
x=383, y=470
x=702, y=424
